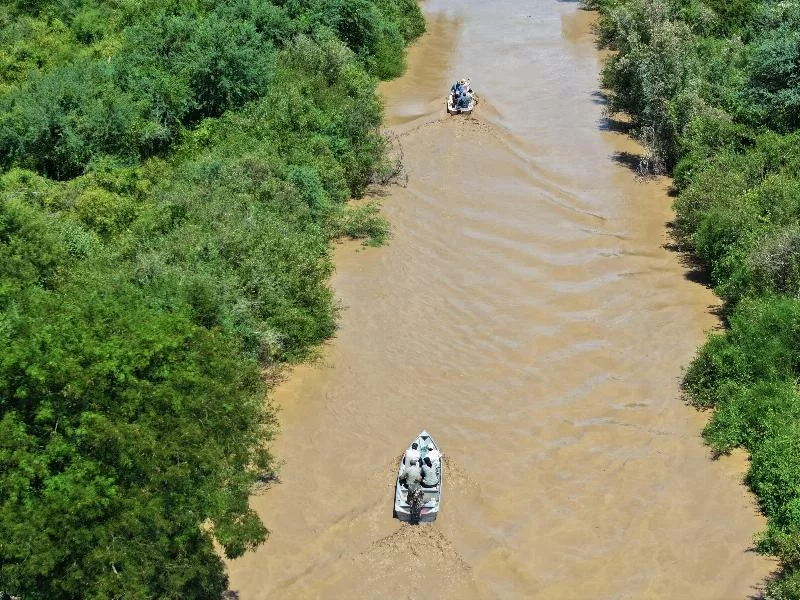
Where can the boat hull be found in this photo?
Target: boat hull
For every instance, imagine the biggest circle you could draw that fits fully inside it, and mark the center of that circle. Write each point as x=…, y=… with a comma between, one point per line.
x=457, y=110
x=433, y=496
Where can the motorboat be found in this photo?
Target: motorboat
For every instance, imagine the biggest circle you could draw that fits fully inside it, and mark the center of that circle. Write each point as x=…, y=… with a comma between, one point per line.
x=457, y=109
x=426, y=506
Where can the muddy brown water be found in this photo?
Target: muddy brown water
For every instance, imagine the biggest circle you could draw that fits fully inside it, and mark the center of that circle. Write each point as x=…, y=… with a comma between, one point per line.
x=528, y=315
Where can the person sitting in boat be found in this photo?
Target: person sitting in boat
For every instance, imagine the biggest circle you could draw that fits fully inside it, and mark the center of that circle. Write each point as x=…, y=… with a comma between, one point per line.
x=411, y=476
x=464, y=99
x=429, y=477
x=412, y=455
x=459, y=88
x=434, y=455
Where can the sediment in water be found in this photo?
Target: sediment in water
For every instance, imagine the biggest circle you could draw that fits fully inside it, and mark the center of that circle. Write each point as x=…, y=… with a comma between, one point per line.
x=528, y=314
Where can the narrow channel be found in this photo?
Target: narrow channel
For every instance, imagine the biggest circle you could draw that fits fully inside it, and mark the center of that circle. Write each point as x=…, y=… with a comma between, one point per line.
x=529, y=314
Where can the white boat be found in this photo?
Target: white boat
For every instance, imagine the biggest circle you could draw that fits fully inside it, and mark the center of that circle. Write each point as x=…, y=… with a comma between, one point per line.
x=433, y=496
x=454, y=109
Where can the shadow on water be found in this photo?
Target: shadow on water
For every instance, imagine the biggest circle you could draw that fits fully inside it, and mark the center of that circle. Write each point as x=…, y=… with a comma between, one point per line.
x=608, y=122
x=614, y=125
x=759, y=594
x=696, y=271
x=632, y=160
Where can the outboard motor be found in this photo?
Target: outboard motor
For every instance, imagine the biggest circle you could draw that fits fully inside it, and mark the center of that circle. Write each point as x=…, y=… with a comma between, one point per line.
x=415, y=500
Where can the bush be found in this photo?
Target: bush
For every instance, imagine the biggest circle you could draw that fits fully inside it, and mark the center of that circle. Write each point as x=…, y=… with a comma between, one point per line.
x=175, y=173
x=774, y=85
x=706, y=137
x=31, y=250
x=747, y=416
x=363, y=222
x=760, y=345
x=127, y=427
x=652, y=76
x=776, y=263
x=734, y=15
x=775, y=475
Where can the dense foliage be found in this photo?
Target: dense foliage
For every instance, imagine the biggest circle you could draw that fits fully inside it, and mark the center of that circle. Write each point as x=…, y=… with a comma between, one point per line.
x=171, y=175
x=713, y=89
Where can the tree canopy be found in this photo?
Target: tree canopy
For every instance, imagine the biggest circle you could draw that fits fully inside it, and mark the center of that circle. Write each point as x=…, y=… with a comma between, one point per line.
x=171, y=175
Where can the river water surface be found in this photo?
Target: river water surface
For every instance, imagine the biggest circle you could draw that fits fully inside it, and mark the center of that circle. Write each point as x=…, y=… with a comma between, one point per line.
x=526, y=313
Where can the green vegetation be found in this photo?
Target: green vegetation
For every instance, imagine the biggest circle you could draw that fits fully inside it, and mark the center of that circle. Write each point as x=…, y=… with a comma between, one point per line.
x=172, y=173
x=713, y=90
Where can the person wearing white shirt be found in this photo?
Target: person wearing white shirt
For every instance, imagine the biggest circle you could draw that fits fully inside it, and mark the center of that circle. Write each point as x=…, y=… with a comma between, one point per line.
x=412, y=455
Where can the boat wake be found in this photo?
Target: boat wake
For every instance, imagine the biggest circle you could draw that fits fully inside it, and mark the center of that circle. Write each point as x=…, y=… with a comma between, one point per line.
x=419, y=549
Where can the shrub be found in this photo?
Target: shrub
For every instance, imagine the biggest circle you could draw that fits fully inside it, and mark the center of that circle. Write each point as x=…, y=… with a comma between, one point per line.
x=774, y=86
x=127, y=427
x=748, y=416
x=203, y=153
x=362, y=222
x=760, y=345
x=652, y=76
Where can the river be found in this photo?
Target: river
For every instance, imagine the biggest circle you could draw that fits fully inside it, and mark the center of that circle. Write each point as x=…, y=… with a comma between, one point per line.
x=529, y=314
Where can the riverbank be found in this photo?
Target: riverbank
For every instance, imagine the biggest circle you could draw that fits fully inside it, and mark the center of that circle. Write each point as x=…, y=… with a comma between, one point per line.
x=712, y=90
x=527, y=315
